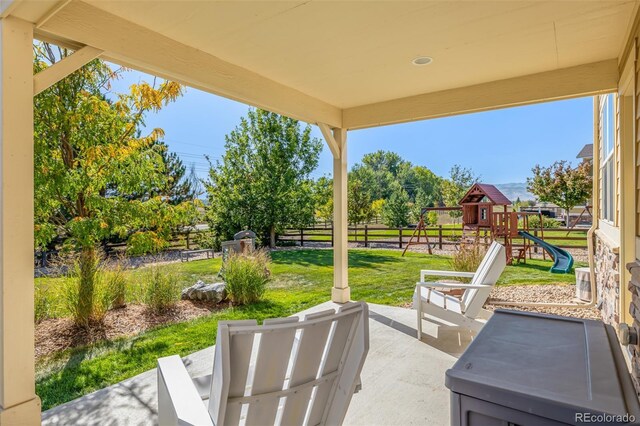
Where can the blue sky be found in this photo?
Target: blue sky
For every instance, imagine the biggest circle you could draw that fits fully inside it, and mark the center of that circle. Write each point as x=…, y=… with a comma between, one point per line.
x=502, y=146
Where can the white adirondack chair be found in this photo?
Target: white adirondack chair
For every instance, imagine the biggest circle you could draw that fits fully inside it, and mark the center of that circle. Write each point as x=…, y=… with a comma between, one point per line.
x=285, y=371
x=467, y=311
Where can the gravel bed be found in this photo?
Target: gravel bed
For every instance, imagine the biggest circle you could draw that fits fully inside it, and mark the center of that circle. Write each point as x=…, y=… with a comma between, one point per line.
x=541, y=294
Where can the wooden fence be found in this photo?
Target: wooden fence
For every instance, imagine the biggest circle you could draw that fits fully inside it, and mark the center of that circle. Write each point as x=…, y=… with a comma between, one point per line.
x=439, y=236
x=178, y=242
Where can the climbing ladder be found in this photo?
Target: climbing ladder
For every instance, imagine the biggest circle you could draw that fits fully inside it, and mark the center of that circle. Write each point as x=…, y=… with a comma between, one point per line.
x=505, y=227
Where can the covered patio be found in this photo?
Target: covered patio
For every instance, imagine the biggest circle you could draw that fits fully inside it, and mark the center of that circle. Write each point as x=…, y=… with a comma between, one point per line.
x=341, y=65
x=403, y=379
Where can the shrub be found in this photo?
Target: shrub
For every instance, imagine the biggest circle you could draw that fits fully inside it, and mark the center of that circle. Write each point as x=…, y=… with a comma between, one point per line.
x=208, y=240
x=547, y=222
x=161, y=288
x=246, y=276
x=468, y=258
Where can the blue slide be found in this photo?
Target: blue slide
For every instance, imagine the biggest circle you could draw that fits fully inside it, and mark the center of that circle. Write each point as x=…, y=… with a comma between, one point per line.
x=562, y=259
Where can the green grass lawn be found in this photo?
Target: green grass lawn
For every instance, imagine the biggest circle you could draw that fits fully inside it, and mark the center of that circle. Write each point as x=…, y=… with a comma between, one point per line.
x=300, y=279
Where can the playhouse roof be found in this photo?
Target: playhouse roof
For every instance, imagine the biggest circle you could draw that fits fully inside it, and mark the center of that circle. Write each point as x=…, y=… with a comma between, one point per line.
x=478, y=191
x=586, y=152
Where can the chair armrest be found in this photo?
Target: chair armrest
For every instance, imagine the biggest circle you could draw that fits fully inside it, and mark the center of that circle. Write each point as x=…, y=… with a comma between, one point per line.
x=449, y=285
x=432, y=273
x=179, y=402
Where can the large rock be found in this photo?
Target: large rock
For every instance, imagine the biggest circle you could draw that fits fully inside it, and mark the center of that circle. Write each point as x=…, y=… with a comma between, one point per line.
x=215, y=292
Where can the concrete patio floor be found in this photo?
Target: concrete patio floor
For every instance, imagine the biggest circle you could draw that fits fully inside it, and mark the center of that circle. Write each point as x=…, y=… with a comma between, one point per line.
x=402, y=379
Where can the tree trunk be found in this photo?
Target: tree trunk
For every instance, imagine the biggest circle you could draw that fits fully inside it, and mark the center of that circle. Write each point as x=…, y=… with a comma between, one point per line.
x=87, y=267
x=272, y=237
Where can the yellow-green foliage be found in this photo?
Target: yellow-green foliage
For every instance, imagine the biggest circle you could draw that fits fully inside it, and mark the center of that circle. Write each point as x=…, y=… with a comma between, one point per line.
x=145, y=243
x=547, y=222
x=246, y=276
x=432, y=218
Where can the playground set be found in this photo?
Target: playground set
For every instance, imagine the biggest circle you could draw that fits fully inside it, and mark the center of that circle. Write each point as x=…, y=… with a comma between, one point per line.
x=486, y=217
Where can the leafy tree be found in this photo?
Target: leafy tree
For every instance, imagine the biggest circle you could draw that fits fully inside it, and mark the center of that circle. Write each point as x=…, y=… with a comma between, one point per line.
x=422, y=200
x=175, y=186
x=376, y=208
x=380, y=170
x=432, y=218
x=517, y=204
x=561, y=184
x=89, y=151
x=263, y=180
x=430, y=185
x=358, y=204
x=386, y=161
x=375, y=182
x=195, y=183
x=323, y=190
x=454, y=188
x=179, y=188
x=396, y=210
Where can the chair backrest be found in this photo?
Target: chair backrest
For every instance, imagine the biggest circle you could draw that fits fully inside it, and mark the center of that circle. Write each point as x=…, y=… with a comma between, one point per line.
x=488, y=272
x=269, y=372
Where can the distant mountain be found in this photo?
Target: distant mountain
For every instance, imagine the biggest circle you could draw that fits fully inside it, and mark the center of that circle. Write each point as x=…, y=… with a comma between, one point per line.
x=515, y=190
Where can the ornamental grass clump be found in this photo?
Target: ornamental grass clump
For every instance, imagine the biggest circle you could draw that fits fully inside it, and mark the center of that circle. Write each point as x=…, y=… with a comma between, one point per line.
x=86, y=295
x=42, y=302
x=246, y=276
x=161, y=288
x=116, y=283
x=468, y=258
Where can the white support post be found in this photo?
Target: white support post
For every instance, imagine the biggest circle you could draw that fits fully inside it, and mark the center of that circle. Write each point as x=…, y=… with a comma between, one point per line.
x=18, y=401
x=337, y=140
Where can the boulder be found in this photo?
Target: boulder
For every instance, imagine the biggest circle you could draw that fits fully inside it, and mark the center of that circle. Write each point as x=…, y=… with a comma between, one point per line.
x=215, y=292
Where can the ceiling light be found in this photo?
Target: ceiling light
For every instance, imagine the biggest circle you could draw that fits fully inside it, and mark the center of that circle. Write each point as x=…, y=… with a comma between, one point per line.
x=422, y=60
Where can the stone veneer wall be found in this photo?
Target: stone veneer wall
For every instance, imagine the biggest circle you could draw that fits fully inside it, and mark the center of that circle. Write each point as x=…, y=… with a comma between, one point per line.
x=607, y=282
x=634, y=310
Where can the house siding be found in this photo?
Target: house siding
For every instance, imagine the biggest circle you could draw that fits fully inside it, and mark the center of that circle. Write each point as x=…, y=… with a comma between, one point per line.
x=634, y=267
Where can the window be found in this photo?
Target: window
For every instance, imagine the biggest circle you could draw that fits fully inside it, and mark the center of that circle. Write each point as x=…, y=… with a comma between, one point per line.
x=483, y=214
x=607, y=143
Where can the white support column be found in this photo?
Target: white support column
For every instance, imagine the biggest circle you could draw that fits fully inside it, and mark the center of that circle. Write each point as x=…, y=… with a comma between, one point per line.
x=18, y=401
x=337, y=141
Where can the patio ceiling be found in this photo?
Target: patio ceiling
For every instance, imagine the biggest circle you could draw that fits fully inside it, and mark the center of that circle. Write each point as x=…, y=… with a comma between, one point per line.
x=348, y=64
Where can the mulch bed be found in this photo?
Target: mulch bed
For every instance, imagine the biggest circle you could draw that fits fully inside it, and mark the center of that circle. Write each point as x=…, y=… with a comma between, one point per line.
x=57, y=334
